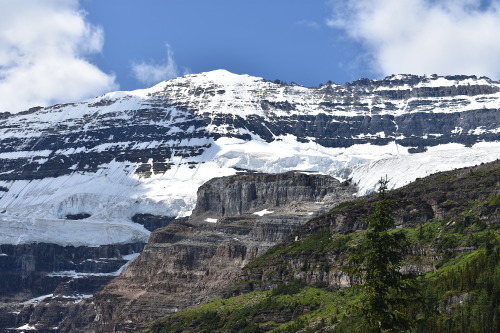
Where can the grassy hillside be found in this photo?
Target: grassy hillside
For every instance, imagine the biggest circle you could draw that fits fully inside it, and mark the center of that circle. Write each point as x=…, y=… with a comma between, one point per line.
x=452, y=220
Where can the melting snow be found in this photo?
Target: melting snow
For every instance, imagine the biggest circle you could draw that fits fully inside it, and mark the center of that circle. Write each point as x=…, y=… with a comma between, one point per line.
x=131, y=257
x=210, y=220
x=264, y=212
x=26, y=327
x=78, y=275
x=37, y=299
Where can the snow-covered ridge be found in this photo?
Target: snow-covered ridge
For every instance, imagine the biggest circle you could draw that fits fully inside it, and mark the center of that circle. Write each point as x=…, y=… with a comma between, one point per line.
x=222, y=92
x=147, y=151
x=227, y=92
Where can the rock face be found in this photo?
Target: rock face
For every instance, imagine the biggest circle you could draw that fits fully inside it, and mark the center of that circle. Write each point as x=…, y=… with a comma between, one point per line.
x=193, y=260
x=40, y=282
x=246, y=192
x=460, y=198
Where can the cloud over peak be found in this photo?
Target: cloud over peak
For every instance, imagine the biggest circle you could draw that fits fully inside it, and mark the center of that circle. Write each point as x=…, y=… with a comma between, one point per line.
x=424, y=36
x=42, y=55
x=150, y=73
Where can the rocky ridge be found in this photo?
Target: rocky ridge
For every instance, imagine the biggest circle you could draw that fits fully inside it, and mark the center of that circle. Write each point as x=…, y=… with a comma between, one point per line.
x=462, y=199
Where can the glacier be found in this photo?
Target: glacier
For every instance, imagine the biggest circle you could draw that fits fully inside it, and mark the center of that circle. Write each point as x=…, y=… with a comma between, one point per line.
x=148, y=151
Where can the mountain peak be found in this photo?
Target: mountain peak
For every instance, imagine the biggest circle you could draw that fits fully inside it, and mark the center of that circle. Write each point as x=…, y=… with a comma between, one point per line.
x=221, y=76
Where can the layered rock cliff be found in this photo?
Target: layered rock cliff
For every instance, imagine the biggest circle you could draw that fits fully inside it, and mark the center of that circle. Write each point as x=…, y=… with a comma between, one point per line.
x=192, y=260
x=44, y=281
x=228, y=196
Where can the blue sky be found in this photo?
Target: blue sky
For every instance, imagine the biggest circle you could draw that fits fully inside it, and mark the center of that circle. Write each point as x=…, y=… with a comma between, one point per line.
x=54, y=51
x=287, y=40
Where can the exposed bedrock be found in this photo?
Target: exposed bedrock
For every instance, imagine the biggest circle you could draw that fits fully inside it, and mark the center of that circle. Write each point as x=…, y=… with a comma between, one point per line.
x=246, y=192
x=196, y=259
x=460, y=198
x=31, y=275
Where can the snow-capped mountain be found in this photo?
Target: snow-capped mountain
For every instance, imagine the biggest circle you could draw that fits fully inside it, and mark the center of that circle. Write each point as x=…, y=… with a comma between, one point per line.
x=82, y=173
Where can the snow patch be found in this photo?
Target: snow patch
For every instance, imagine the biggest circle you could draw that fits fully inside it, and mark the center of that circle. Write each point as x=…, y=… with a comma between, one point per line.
x=37, y=299
x=131, y=257
x=264, y=212
x=211, y=220
x=26, y=327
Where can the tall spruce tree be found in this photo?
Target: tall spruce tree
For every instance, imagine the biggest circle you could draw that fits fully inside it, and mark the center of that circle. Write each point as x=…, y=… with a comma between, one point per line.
x=386, y=291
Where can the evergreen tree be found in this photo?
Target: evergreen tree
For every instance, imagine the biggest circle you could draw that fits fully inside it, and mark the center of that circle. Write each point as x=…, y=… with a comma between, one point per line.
x=386, y=291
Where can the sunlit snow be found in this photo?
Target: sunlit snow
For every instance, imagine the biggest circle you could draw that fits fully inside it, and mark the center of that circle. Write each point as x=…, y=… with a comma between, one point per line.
x=35, y=210
x=264, y=212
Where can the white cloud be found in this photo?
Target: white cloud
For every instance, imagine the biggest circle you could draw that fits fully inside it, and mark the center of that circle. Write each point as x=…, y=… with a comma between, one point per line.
x=43, y=44
x=424, y=36
x=149, y=73
x=309, y=24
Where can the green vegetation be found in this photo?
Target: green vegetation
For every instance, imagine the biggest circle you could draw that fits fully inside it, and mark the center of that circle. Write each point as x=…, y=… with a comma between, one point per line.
x=463, y=295
x=385, y=290
x=457, y=253
x=287, y=308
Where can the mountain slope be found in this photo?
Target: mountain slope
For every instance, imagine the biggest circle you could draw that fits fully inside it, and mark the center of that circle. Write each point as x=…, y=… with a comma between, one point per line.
x=452, y=222
x=122, y=154
x=87, y=182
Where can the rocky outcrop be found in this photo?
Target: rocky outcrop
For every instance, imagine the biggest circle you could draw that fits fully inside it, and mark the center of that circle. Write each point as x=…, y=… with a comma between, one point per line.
x=193, y=260
x=39, y=283
x=247, y=192
x=152, y=222
x=25, y=268
x=458, y=199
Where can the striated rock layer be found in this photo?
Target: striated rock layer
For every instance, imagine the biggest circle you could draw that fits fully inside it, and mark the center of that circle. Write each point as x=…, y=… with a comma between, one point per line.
x=236, y=219
x=44, y=281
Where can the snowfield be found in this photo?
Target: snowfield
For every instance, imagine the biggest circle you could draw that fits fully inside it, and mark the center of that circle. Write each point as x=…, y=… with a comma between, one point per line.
x=36, y=210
